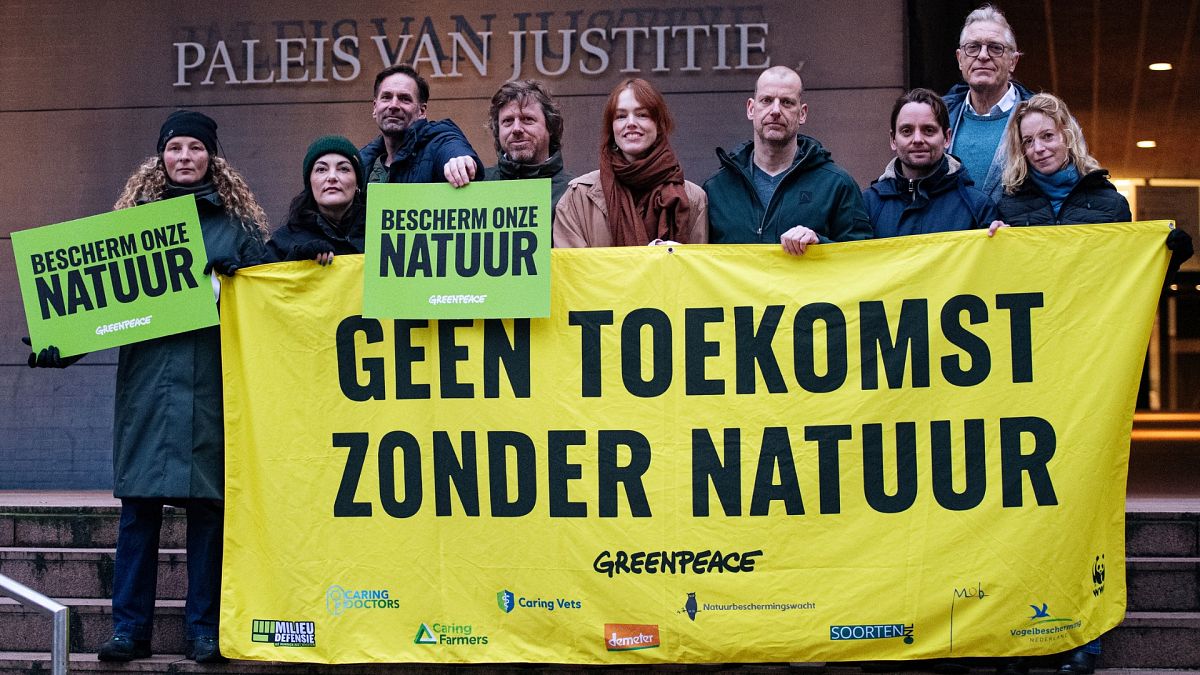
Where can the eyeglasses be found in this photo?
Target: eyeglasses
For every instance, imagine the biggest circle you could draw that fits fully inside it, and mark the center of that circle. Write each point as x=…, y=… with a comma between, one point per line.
x=994, y=49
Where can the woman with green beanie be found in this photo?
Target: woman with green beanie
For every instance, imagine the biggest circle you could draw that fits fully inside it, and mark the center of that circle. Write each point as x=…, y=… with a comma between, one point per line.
x=329, y=216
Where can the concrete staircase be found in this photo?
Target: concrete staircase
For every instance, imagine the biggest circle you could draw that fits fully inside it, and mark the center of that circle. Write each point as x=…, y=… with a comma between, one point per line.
x=62, y=545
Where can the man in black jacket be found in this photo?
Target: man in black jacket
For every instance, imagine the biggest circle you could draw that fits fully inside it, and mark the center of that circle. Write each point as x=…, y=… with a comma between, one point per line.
x=412, y=149
x=782, y=186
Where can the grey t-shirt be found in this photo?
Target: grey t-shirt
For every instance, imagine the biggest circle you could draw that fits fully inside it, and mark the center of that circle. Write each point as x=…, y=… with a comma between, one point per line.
x=765, y=184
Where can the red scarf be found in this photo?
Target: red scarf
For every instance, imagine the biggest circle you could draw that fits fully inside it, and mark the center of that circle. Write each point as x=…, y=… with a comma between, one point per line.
x=646, y=199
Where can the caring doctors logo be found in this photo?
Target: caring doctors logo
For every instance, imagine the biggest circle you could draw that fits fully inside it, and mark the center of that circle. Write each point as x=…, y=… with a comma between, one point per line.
x=1043, y=626
x=284, y=633
x=873, y=631
x=624, y=637
x=508, y=601
x=448, y=634
x=339, y=600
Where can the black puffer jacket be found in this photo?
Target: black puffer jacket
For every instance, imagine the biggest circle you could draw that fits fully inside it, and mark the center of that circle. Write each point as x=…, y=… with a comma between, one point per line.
x=1092, y=200
x=306, y=225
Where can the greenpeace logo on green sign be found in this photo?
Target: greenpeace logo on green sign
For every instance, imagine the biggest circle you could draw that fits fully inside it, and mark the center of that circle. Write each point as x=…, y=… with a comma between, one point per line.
x=457, y=299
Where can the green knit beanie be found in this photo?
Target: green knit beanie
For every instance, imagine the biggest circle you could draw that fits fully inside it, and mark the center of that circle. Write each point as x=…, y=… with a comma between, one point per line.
x=337, y=144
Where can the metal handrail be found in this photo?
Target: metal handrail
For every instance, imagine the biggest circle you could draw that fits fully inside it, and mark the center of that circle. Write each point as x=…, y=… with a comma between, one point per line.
x=60, y=647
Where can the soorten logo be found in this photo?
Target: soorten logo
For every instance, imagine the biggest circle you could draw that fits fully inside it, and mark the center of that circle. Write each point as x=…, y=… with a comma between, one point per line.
x=338, y=600
x=446, y=634
x=624, y=637
x=284, y=633
x=873, y=631
x=508, y=601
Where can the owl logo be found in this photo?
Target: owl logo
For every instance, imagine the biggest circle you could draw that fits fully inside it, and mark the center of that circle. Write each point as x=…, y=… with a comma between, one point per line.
x=690, y=606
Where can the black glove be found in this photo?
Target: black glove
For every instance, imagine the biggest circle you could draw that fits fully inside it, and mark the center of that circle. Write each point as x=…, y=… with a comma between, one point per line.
x=224, y=266
x=49, y=358
x=1180, y=243
x=309, y=250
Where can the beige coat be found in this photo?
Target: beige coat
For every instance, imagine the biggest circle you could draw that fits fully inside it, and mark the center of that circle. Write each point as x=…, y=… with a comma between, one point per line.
x=581, y=218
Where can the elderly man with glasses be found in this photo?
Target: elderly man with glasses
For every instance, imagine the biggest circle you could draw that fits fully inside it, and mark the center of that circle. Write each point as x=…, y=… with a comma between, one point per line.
x=980, y=105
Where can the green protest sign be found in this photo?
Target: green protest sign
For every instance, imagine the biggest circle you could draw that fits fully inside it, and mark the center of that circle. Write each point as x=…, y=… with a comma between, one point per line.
x=115, y=278
x=477, y=252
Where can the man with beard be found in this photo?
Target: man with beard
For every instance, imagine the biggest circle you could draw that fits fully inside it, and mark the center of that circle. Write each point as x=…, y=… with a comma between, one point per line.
x=412, y=149
x=527, y=128
x=923, y=189
x=782, y=186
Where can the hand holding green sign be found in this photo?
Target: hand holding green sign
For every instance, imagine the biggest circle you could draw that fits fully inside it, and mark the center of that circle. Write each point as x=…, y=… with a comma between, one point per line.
x=436, y=252
x=115, y=278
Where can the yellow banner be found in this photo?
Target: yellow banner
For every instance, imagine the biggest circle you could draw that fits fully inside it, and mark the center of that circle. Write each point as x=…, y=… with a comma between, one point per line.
x=892, y=449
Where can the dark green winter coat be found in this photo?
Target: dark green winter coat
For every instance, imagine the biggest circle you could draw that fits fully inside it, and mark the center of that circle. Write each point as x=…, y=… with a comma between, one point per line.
x=815, y=193
x=168, y=430
x=552, y=168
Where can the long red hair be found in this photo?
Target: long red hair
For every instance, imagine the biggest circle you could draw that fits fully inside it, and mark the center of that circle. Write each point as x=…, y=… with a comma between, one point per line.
x=648, y=97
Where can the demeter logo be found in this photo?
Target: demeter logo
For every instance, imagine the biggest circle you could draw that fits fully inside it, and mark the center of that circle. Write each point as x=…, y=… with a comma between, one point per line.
x=624, y=637
x=284, y=633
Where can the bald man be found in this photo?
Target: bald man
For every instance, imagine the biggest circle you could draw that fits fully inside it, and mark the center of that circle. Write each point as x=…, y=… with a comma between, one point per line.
x=782, y=186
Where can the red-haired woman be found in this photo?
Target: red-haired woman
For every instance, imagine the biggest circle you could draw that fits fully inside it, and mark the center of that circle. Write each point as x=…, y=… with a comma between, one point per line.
x=638, y=196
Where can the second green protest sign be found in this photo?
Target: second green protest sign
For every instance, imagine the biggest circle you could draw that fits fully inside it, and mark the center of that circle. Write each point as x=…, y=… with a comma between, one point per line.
x=437, y=252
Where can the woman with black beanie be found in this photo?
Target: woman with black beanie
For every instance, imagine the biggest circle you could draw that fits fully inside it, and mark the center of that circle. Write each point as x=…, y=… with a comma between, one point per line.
x=168, y=427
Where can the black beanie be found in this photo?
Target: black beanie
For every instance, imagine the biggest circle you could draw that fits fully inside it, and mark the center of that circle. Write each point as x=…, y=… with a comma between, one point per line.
x=188, y=123
x=335, y=144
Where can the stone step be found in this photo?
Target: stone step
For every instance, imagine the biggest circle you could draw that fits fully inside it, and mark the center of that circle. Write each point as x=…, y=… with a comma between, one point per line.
x=78, y=526
x=1162, y=534
x=23, y=629
x=85, y=572
x=1154, y=640
x=1143, y=640
x=1162, y=584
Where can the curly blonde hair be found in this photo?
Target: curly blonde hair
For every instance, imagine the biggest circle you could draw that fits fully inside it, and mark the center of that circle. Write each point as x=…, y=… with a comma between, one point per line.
x=1016, y=166
x=149, y=181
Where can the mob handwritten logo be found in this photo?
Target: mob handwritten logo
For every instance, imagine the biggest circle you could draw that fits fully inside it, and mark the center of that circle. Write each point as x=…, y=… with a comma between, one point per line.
x=624, y=637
